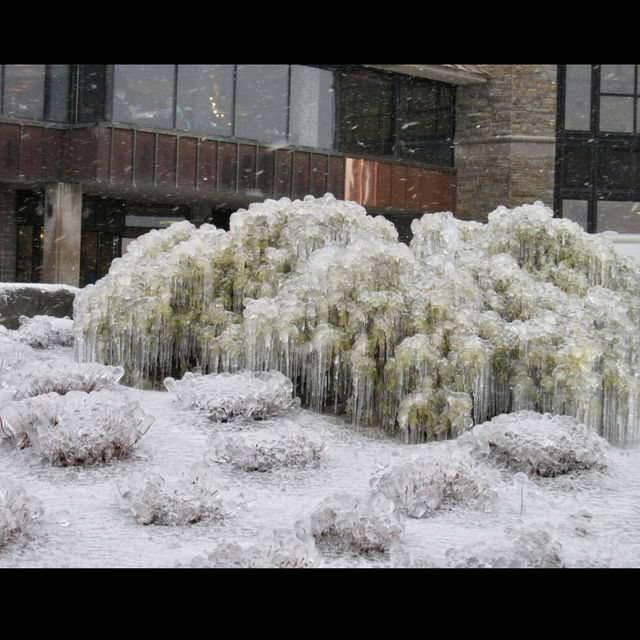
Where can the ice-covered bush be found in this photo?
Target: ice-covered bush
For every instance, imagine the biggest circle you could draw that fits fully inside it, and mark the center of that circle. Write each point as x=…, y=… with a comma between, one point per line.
x=33, y=378
x=467, y=322
x=283, y=550
x=529, y=548
x=242, y=395
x=440, y=478
x=42, y=332
x=537, y=444
x=78, y=428
x=251, y=451
x=347, y=523
x=175, y=501
x=17, y=511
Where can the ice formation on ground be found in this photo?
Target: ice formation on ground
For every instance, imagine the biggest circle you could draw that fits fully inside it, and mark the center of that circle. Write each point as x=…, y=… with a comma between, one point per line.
x=77, y=428
x=174, y=501
x=228, y=396
x=17, y=511
x=42, y=332
x=526, y=312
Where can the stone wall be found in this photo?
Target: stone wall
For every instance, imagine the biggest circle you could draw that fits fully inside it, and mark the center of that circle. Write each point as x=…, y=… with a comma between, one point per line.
x=505, y=139
x=27, y=299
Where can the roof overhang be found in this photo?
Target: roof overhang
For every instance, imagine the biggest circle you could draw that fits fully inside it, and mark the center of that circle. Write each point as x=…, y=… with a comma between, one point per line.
x=451, y=73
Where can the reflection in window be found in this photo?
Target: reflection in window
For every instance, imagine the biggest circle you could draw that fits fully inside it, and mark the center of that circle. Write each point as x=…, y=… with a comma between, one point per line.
x=623, y=217
x=617, y=78
x=311, y=116
x=23, y=91
x=58, y=86
x=577, y=103
x=262, y=94
x=205, y=99
x=367, y=114
x=144, y=94
x=616, y=114
x=576, y=210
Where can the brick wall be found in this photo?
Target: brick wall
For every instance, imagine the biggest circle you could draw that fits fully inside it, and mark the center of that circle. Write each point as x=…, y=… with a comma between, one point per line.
x=505, y=139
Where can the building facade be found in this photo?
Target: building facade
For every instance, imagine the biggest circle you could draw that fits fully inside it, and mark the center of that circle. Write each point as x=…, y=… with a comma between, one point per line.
x=92, y=156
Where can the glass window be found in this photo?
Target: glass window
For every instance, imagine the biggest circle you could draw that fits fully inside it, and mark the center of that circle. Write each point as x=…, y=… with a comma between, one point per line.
x=205, y=99
x=425, y=122
x=144, y=94
x=576, y=210
x=23, y=91
x=577, y=167
x=312, y=107
x=58, y=84
x=577, y=103
x=262, y=95
x=617, y=78
x=367, y=114
x=91, y=92
x=616, y=114
x=620, y=216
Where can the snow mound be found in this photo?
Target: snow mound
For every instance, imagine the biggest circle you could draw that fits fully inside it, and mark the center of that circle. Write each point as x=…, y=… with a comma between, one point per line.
x=243, y=395
x=345, y=523
x=440, y=478
x=174, y=501
x=17, y=511
x=252, y=452
x=42, y=332
x=77, y=429
x=526, y=312
x=537, y=444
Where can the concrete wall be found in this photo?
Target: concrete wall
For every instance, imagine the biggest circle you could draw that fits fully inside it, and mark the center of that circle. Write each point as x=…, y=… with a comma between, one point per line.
x=505, y=139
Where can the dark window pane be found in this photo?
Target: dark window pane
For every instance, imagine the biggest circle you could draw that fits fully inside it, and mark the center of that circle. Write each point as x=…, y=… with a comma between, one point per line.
x=616, y=114
x=617, y=78
x=312, y=107
x=623, y=217
x=91, y=92
x=577, y=167
x=23, y=94
x=57, y=98
x=577, y=103
x=144, y=94
x=367, y=114
x=262, y=94
x=618, y=168
x=205, y=99
x=425, y=122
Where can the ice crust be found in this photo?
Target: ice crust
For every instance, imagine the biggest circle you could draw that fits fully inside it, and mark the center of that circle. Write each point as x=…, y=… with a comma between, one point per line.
x=471, y=320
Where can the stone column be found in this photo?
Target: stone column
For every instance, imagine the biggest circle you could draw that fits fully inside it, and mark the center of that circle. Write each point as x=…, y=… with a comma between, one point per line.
x=8, y=235
x=62, y=234
x=505, y=139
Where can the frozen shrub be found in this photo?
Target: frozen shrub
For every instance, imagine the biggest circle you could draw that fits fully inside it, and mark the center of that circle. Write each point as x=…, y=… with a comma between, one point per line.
x=78, y=428
x=537, y=444
x=17, y=511
x=283, y=550
x=251, y=452
x=36, y=378
x=242, y=395
x=42, y=332
x=182, y=500
x=347, y=523
x=530, y=548
x=440, y=478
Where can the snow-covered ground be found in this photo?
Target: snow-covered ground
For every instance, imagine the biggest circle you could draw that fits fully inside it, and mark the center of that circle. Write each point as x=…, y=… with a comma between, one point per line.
x=261, y=492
